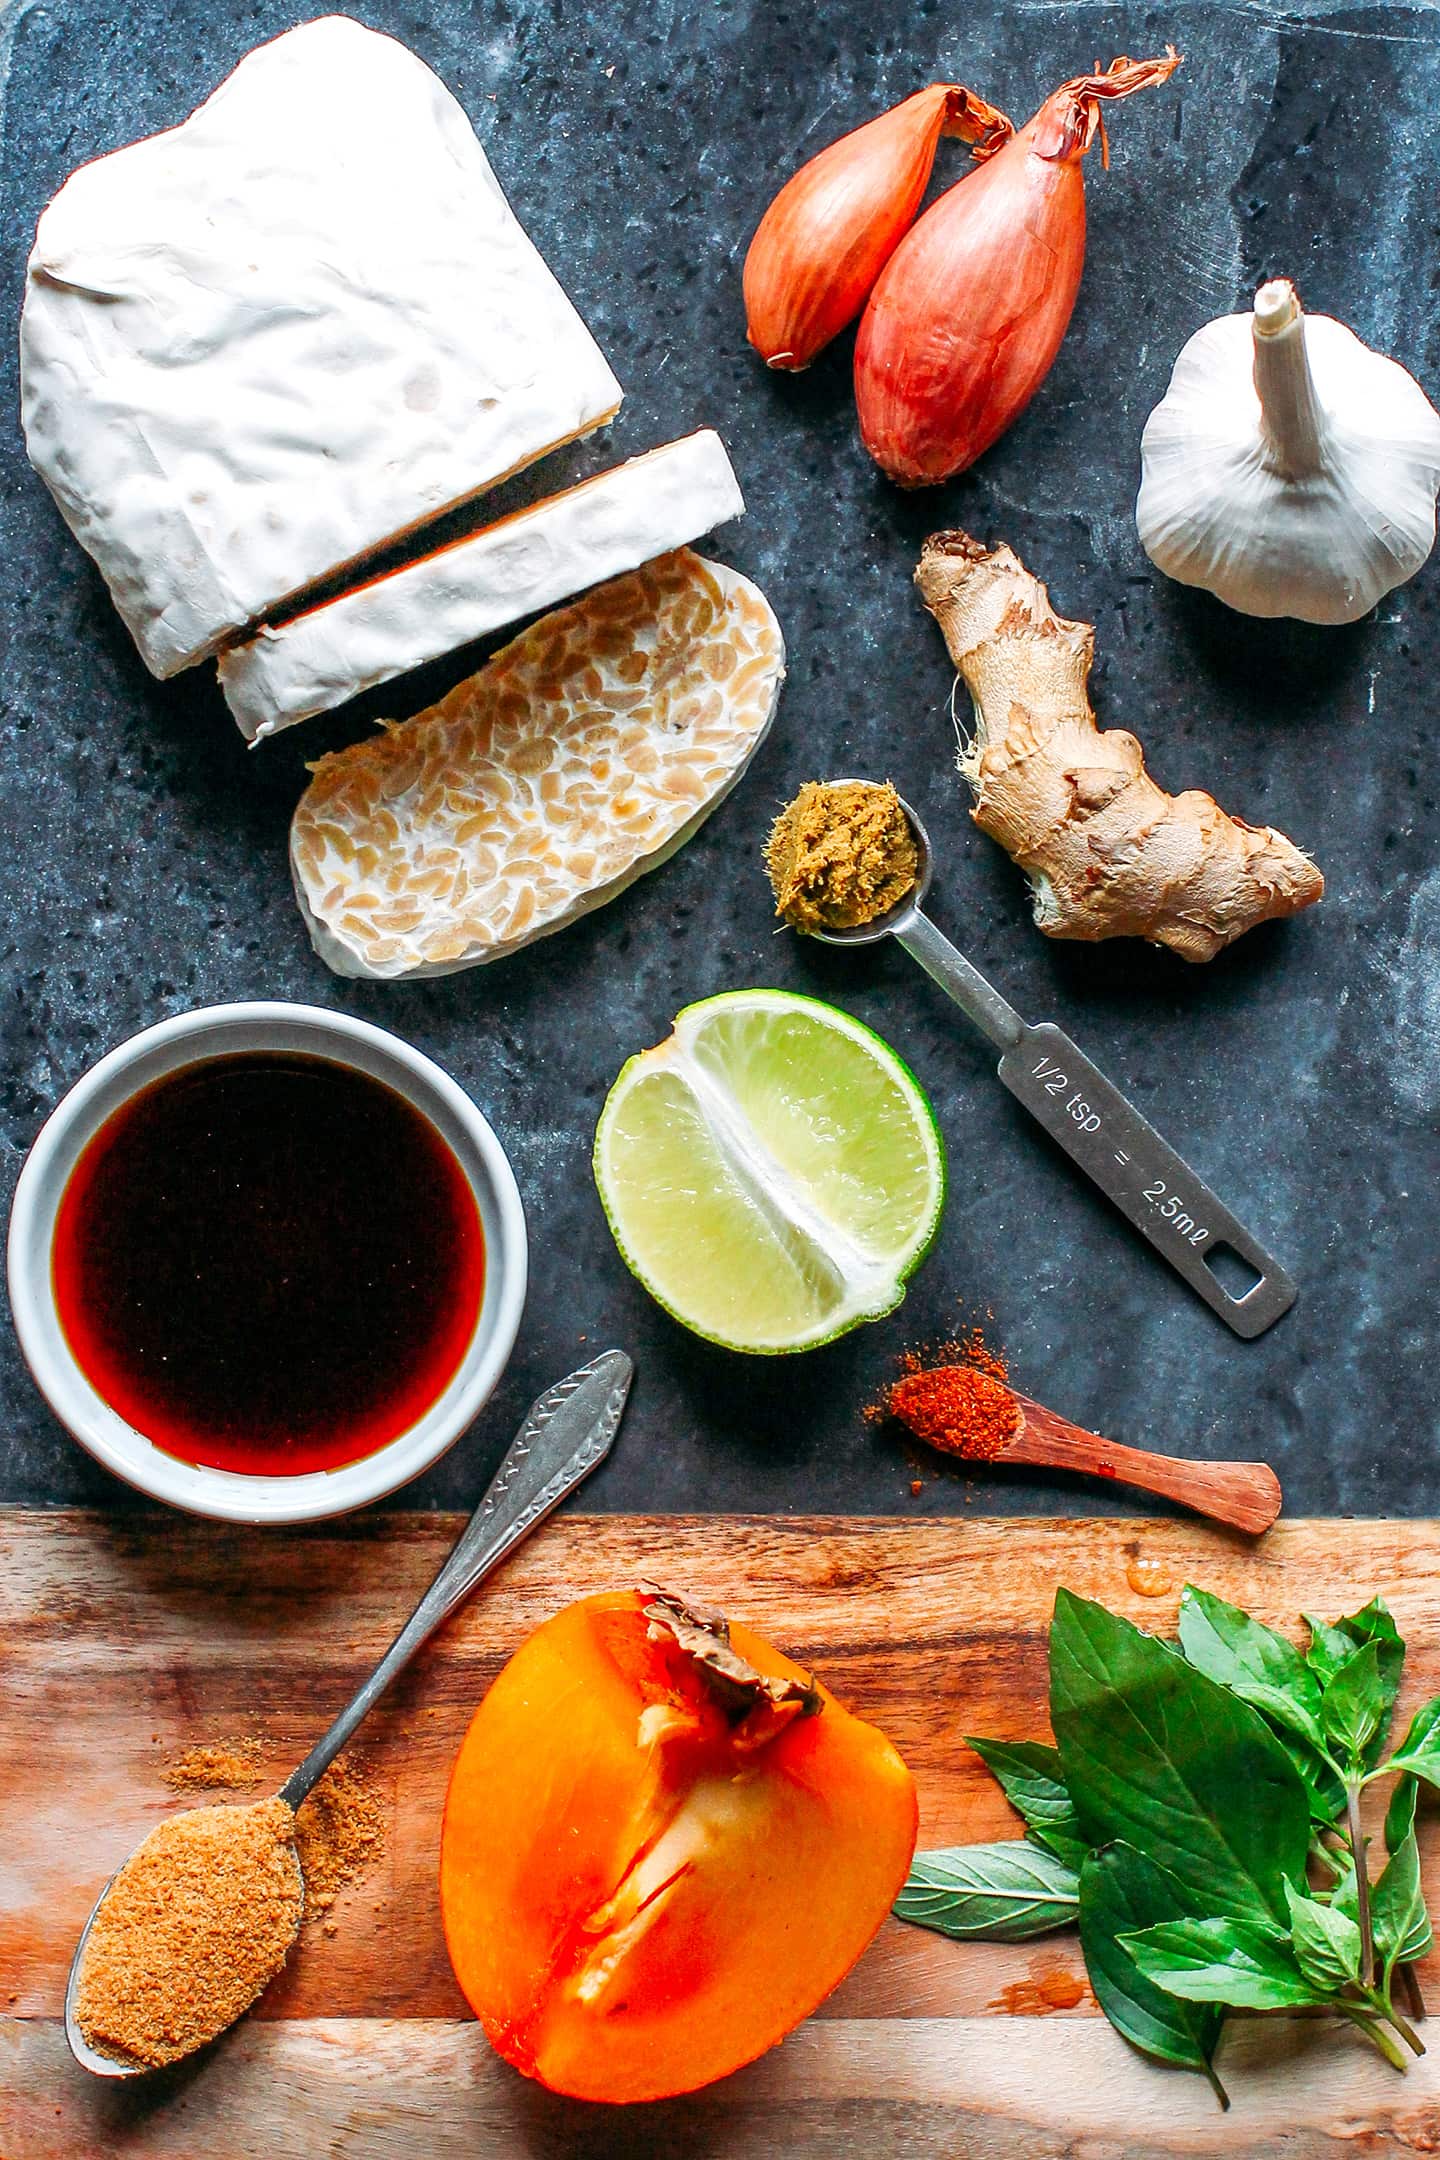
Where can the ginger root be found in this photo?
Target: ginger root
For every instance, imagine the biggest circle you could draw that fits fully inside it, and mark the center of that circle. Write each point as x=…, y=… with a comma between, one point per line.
x=1107, y=851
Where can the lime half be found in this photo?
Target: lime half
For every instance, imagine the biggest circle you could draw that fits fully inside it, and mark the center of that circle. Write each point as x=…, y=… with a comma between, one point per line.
x=772, y=1172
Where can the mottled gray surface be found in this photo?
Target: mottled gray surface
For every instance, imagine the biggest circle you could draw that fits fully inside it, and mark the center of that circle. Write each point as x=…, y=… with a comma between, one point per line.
x=144, y=864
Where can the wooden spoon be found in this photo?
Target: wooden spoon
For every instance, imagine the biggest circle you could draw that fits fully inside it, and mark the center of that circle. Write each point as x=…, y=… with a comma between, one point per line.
x=992, y=1422
x=1243, y=1494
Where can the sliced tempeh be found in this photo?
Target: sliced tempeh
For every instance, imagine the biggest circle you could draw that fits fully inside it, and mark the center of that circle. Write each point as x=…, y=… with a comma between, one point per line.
x=584, y=754
x=260, y=345
x=529, y=560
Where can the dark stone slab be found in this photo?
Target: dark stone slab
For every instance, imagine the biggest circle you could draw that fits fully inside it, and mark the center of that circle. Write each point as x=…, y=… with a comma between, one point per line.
x=143, y=869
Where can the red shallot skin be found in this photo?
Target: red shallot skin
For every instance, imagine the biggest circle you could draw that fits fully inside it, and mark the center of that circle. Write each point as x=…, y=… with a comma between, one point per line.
x=836, y=222
x=966, y=318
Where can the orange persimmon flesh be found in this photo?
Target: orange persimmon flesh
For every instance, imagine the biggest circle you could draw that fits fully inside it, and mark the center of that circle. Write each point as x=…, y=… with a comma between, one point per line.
x=653, y=1867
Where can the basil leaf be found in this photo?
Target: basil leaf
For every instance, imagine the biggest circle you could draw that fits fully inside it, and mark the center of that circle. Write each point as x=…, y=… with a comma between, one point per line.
x=1398, y=1915
x=1265, y=1670
x=1121, y=1891
x=1282, y=1709
x=1158, y=1755
x=1326, y=1942
x=1353, y=1703
x=1419, y=1751
x=1345, y=1897
x=1397, y=1908
x=1323, y=1788
x=1400, y=1815
x=1245, y=1963
x=1329, y=1648
x=1029, y=1771
x=1373, y=1623
x=1004, y=1893
x=1229, y=1646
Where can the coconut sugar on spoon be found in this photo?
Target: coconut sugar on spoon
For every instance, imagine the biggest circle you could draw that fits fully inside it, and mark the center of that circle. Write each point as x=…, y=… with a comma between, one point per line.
x=194, y=1927
x=205, y=1912
x=188, y=1933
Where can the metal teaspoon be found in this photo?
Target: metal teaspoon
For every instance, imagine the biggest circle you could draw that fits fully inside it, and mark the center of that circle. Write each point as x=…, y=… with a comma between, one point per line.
x=566, y=1432
x=1118, y=1149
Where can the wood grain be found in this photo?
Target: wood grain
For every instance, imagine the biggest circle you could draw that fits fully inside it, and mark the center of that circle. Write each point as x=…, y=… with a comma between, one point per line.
x=1246, y=1495
x=127, y=1640
x=864, y=2089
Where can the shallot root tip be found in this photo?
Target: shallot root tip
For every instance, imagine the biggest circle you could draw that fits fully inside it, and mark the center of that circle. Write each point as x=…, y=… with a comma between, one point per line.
x=1124, y=76
x=1075, y=108
x=976, y=122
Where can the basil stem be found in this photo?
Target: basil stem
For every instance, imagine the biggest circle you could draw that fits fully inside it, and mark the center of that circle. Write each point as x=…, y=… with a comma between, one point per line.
x=1374, y=2033
x=1327, y=1859
x=1362, y=1885
x=1406, y=2031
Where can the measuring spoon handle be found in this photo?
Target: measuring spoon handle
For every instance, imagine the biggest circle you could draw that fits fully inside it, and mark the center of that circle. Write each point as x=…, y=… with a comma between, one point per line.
x=979, y=1000
x=1153, y=1187
x=566, y=1432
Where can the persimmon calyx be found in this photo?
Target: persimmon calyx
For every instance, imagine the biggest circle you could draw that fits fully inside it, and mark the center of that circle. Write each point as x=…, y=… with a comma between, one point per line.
x=755, y=1705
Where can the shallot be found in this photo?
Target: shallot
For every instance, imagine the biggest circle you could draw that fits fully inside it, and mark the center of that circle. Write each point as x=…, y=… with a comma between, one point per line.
x=968, y=314
x=835, y=224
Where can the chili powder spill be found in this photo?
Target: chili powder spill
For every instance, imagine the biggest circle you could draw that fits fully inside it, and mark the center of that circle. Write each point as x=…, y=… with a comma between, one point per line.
x=962, y=1407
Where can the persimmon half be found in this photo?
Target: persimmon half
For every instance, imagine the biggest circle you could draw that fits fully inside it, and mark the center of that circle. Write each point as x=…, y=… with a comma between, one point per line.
x=663, y=1845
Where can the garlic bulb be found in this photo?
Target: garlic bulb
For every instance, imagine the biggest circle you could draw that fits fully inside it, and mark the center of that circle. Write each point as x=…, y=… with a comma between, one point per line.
x=1289, y=469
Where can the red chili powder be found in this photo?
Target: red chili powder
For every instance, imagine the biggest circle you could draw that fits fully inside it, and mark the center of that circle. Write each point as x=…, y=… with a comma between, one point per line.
x=963, y=1407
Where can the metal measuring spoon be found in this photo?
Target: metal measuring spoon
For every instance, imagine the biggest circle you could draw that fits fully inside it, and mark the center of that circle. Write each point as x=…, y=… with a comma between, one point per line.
x=1153, y=1187
x=566, y=1432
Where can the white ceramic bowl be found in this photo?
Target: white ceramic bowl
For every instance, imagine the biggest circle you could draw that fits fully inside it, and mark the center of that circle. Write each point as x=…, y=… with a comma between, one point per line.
x=212, y=1032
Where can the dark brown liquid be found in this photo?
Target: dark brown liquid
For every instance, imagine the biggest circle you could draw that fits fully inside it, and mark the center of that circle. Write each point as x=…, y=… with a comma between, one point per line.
x=268, y=1263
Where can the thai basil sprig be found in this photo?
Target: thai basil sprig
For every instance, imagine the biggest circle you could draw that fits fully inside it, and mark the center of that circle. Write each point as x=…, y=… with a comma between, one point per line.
x=1199, y=1818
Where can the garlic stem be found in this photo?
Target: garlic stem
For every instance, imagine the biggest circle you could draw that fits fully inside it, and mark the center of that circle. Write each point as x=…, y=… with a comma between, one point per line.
x=1291, y=422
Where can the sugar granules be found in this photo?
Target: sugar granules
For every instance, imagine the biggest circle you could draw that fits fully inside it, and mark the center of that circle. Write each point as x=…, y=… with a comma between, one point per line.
x=339, y=1829
x=197, y=1922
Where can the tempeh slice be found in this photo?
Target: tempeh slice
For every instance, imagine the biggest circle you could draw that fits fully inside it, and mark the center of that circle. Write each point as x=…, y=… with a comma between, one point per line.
x=587, y=751
x=529, y=560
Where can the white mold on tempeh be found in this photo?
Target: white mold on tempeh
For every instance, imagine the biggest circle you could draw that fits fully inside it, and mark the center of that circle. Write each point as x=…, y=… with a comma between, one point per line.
x=260, y=345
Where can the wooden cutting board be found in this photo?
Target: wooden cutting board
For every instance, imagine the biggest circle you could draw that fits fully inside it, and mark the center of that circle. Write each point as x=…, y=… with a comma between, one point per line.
x=126, y=1641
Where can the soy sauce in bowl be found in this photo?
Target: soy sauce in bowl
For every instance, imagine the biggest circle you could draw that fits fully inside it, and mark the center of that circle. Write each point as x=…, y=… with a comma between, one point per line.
x=269, y=1263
